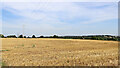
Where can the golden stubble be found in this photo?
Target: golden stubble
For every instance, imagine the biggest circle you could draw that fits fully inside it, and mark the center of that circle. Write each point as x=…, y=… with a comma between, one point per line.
x=59, y=52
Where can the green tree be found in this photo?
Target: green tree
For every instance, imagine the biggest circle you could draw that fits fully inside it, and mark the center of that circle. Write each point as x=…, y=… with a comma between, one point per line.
x=33, y=36
x=41, y=36
x=116, y=39
x=94, y=38
x=20, y=36
x=24, y=36
x=1, y=36
x=11, y=36
x=55, y=36
x=28, y=37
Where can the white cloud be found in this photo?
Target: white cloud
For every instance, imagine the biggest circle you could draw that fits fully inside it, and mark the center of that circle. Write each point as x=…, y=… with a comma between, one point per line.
x=50, y=11
x=49, y=15
x=59, y=0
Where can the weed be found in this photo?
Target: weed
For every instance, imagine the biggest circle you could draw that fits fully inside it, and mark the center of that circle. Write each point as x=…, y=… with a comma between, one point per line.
x=22, y=45
x=68, y=61
x=2, y=64
x=4, y=50
x=33, y=45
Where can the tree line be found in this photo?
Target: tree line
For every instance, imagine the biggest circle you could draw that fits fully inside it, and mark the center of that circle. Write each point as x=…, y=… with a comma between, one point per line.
x=22, y=36
x=92, y=37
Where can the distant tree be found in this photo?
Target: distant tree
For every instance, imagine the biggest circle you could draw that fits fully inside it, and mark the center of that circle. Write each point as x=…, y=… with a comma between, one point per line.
x=94, y=38
x=28, y=37
x=50, y=36
x=11, y=36
x=1, y=36
x=24, y=36
x=41, y=36
x=116, y=39
x=101, y=38
x=55, y=36
x=20, y=36
x=82, y=37
x=33, y=36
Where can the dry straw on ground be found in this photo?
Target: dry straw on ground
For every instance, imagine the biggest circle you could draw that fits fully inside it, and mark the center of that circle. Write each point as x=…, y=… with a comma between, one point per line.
x=59, y=52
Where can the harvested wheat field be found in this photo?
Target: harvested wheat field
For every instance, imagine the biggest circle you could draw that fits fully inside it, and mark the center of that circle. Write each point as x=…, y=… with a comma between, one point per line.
x=59, y=52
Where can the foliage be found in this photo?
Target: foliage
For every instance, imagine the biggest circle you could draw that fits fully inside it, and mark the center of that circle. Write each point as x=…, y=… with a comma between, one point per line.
x=24, y=36
x=11, y=36
x=55, y=36
x=92, y=37
x=20, y=36
x=41, y=36
x=33, y=45
x=22, y=45
x=2, y=63
x=1, y=36
x=4, y=50
x=33, y=36
x=28, y=37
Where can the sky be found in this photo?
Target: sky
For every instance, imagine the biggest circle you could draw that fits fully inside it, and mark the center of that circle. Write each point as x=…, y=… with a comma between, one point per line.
x=60, y=18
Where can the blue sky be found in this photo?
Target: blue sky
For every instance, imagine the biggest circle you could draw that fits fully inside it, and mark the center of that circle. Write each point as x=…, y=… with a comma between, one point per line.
x=61, y=18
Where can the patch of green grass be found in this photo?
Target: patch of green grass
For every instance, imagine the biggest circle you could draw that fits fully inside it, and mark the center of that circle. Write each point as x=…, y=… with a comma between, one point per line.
x=19, y=46
x=4, y=50
x=22, y=45
x=2, y=64
x=33, y=45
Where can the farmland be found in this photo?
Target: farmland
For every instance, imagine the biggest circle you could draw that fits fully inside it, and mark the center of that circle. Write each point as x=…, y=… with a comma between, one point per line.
x=58, y=52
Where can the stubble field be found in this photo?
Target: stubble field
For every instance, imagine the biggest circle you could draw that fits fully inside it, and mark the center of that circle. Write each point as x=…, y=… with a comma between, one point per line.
x=59, y=52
